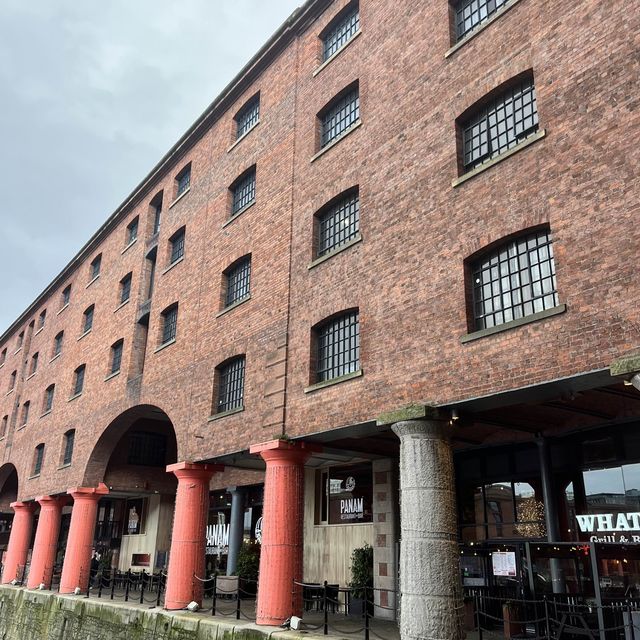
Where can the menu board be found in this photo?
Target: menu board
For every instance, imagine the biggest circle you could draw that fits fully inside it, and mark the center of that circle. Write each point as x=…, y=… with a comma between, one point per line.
x=504, y=563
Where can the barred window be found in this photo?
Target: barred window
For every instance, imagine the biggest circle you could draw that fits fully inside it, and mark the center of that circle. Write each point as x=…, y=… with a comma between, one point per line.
x=12, y=380
x=69, y=439
x=116, y=356
x=57, y=344
x=338, y=223
x=88, y=319
x=157, y=215
x=125, y=288
x=338, y=347
x=147, y=449
x=25, y=412
x=339, y=115
x=37, y=460
x=472, y=13
x=20, y=340
x=176, y=242
x=3, y=426
x=514, y=281
x=248, y=116
x=169, y=323
x=34, y=363
x=340, y=31
x=78, y=380
x=96, y=263
x=243, y=191
x=500, y=124
x=183, y=180
x=42, y=318
x=231, y=385
x=66, y=295
x=238, y=281
x=48, y=398
x=132, y=230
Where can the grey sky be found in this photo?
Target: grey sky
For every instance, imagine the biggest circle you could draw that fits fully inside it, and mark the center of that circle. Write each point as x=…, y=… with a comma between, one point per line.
x=93, y=94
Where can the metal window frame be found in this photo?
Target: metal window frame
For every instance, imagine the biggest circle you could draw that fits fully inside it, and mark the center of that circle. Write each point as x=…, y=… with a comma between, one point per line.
x=132, y=230
x=48, y=397
x=243, y=190
x=39, y=459
x=344, y=26
x=248, y=116
x=338, y=222
x=57, y=343
x=169, y=324
x=125, y=290
x=96, y=265
x=177, y=241
x=78, y=383
x=231, y=385
x=183, y=180
x=88, y=318
x=66, y=295
x=339, y=115
x=69, y=440
x=338, y=346
x=238, y=281
x=116, y=356
x=470, y=14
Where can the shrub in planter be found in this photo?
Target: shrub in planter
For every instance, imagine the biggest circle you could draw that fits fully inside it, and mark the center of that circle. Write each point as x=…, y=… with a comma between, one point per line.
x=361, y=583
x=248, y=566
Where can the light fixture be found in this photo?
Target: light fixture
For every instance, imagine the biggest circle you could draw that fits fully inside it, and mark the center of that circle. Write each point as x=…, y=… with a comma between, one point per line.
x=454, y=415
x=634, y=381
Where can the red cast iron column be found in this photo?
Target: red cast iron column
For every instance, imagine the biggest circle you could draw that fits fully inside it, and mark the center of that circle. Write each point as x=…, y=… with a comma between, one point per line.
x=46, y=542
x=19, y=539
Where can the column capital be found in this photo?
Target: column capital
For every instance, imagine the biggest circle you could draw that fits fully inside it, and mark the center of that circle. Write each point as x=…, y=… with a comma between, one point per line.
x=285, y=450
x=430, y=429
x=90, y=493
x=194, y=470
x=52, y=500
x=23, y=506
x=411, y=412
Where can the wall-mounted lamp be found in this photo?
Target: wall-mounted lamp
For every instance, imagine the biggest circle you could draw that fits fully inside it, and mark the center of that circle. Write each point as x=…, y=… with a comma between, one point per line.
x=634, y=381
x=455, y=416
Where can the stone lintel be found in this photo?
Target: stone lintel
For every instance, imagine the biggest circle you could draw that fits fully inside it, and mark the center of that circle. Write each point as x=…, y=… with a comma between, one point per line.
x=625, y=366
x=410, y=412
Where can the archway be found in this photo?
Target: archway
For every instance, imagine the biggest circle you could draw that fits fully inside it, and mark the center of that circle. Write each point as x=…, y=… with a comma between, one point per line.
x=8, y=494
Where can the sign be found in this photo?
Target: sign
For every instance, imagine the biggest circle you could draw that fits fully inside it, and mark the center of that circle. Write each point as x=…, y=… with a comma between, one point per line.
x=617, y=527
x=217, y=539
x=504, y=563
x=258, y=530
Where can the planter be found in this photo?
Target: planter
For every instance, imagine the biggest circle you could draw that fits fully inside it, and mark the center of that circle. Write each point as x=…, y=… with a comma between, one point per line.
x=511, y=613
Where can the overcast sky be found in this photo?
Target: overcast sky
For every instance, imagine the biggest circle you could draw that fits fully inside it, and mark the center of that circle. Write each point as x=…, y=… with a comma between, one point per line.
x=92, y=95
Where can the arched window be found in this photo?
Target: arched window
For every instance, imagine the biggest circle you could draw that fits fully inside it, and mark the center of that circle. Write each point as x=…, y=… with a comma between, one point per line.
x=67, y=448
x=230, y=385
x=337, y=346
x=38, y=459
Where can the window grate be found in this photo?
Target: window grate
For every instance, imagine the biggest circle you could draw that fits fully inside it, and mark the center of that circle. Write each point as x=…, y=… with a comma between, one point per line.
x=69, y=439
x=500, y=125
x=88, y=319
x=177, y=246
x=341, y=33
x=339, y=116
x=248, y=117
x=169, y=325
x=37, y=464
x=57, y=344
x=79, y=380
x=231, y=387
x=25, y=412
x=238, y=282
x=244, y=191
x=132, y=231
x=116, y=356
x=48, y=398
x=95, y=266
x=339, y=223
x=147, y=449
x=472, y=13
x=66, y=295
x=516, y=280
x=184, y=181
x=125, y=290
x=338, y=347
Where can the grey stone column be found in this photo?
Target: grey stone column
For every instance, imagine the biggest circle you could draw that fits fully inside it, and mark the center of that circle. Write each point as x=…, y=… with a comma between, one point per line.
x=431, y=605
x=236, y=528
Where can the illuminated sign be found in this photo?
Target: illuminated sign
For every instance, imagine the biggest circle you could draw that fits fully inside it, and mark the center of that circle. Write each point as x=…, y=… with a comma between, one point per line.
x=616, y=526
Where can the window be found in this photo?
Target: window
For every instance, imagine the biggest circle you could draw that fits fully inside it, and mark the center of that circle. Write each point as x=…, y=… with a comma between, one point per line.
x=238, y=278
x=338, y=222
x=12, y=380
x=176, y=246
x=34, y=363
x=87, y=322
x=3, y=356
x=341, y=114
x=20, y=340
x=116, y=356
x=156, y=212
x=338, y=347
x=169, y=323
x=78, y=380
x=125, y=288
x=248, y=116
x=150, y=271
x=183, y=181
x=231, y=385
x=132, y=231
x=472, y=13
x=500, y=124
x=67, y=451
x=38, y=459
x=48, y=398
x=66, y=295
x=243, y=191
x=514, y=280
x=96, y=263
x=42, y=318
x=147, y=449
x=340, y=31
x=57, y=344
x=3, y=426
x=344, y=494
x=25, y=413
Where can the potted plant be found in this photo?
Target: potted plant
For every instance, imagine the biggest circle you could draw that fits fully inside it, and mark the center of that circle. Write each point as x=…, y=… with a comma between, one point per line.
x=361, y=583
x=247, y=567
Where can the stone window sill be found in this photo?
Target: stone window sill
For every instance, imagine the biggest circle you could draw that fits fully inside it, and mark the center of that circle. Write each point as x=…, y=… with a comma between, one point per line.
x=86, y=333
x=340, y=138
x=122, y=304
x=224, y=414
x=329, y=383
x=10, y=391
x=31, y=375
x=347, y=245
x=332, y=57
x=46, y=413
x=91, y=281
x=37, y=475
x=242, y=137
x=21, y=427
x=503, y=156
x=64, y=466
x=55, y=357
x=164, y=345
x=534, y=317
x=237, y=214
x=18, y=350
x=62, y=309
x=470, y=36
x=38, y=331
x=233, y=306
x=182, y=195
x=129, y=246
x=73, y=397
x=112, y=375
x=173, y=264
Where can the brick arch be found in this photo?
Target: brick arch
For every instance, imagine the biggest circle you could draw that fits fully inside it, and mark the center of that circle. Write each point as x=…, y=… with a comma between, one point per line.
x=104, y=464
x=8, y=486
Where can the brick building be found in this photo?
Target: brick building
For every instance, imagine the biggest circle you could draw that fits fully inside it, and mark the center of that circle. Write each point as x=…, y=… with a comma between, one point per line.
x=405, y=232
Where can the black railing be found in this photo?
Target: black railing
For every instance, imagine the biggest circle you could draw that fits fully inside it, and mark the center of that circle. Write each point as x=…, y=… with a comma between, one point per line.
x=230, y=596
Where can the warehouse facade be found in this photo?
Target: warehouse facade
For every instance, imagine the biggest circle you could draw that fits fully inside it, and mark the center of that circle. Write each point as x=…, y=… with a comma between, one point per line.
x=402, y=240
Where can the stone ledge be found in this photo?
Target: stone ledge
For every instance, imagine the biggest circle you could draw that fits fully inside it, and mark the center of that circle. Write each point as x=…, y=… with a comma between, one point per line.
x=410, y=412
x=625, y=366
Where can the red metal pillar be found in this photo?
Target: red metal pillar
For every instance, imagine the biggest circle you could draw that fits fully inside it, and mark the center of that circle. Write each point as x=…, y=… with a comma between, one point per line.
x=15, y=557
x=282, y=530
x=188, y=539
x=46, y=542
x=77, y=559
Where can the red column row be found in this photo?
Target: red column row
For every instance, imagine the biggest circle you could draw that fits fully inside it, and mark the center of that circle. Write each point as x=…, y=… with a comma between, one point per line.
x=281, y=557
